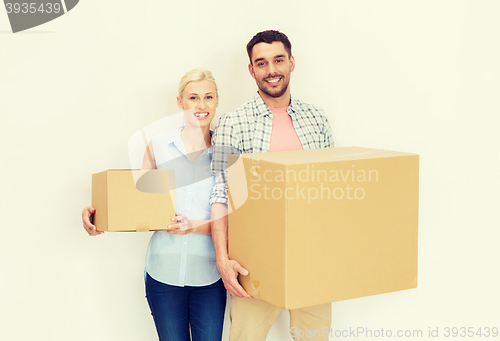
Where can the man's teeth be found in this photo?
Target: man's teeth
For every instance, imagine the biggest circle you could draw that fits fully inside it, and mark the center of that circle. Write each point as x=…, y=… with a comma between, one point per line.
x=273, y=80
x=201, y=114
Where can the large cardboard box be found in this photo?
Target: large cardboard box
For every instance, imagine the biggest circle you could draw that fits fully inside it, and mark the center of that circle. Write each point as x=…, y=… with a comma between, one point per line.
x=133, y=200
x=319, y=226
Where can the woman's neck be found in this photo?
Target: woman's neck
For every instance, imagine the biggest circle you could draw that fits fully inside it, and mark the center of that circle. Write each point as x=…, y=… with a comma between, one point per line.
x=196, y=138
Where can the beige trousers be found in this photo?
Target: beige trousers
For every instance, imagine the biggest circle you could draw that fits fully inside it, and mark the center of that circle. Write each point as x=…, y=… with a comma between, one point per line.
x=251, y=320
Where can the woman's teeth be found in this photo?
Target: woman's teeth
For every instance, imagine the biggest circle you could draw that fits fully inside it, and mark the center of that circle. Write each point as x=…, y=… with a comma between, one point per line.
x=201, y=114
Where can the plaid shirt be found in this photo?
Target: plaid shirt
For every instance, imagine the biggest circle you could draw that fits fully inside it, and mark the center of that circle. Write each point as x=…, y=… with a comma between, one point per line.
x=248, y=130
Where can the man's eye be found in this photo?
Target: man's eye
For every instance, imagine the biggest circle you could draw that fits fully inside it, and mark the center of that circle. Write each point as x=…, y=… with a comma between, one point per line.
x=279, y=60
x=260, y=64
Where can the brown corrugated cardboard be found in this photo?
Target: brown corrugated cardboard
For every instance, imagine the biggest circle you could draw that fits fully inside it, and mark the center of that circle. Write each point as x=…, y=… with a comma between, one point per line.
x=121, y=205
x=319, y=226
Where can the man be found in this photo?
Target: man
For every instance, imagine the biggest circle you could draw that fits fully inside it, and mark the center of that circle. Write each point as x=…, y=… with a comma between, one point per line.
x=271, y=121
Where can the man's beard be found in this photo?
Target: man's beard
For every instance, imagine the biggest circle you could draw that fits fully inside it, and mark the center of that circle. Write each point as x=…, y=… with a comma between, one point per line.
x=280, y=92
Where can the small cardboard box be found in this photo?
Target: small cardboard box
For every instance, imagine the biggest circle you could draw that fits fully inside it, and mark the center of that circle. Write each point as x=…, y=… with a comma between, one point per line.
x=319, y=226
x=133, y=200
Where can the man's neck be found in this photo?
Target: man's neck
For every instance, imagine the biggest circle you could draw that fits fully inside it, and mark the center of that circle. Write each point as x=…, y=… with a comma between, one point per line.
x=276, y=102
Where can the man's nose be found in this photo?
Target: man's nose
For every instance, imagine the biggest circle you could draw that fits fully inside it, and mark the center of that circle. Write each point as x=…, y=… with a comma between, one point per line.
x=272, y=69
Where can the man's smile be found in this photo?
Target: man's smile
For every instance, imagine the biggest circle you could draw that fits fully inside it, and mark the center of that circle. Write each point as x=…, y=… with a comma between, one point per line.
x=273, y=80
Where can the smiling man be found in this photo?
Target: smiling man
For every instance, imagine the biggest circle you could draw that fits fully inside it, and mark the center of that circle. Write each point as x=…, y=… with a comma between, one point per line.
x=272, y=121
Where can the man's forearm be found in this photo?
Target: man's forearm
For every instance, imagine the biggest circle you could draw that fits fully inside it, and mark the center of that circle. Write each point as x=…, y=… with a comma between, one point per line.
x=202, y=226
x=219, y=230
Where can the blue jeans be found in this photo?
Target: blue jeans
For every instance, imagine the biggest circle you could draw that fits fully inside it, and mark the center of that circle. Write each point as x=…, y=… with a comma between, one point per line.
x=175, y=308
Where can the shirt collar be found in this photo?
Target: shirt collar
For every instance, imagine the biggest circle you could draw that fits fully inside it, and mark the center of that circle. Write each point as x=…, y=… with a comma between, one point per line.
x=176, y=139
x=263, y=109
x=210, y=150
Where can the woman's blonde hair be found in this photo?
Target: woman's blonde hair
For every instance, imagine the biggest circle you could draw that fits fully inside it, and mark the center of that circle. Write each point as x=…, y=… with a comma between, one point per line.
x=196, y=75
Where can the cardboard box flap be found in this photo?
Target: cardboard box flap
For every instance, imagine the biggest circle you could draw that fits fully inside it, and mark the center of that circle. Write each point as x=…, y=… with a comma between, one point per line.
x=100, y=199
x=322, y=155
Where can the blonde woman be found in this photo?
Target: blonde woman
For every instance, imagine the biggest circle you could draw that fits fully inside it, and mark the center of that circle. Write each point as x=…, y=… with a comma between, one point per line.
x=183, y=287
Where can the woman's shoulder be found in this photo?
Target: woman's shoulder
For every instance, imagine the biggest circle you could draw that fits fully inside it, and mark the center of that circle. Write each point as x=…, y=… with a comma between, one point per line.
x=166, y=137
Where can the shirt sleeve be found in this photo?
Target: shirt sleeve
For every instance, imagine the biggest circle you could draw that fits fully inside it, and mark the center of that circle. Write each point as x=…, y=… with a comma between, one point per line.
x=224, y=144
x=327, y=132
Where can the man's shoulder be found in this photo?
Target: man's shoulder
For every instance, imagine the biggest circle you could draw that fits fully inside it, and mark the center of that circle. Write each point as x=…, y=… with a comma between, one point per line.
x=302, y=106
x=246, y=108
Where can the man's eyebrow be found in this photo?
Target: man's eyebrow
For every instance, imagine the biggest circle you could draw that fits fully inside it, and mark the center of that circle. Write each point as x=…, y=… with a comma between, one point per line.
x=277, y=56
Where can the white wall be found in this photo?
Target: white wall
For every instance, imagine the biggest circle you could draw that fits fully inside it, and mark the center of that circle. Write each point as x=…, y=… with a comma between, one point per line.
x=416, y=76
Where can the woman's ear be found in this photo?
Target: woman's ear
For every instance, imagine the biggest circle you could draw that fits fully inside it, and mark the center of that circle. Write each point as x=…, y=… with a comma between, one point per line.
x=179, y=103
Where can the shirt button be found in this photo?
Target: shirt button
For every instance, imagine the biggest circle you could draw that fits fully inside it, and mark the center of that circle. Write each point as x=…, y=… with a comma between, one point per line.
x=189, y=192
x=185, y=243
x=187, y=208
x=183, y=260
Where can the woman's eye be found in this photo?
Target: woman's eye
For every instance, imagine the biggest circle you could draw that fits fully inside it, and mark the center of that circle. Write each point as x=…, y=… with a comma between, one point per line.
x=192, y=98
x=209, y=97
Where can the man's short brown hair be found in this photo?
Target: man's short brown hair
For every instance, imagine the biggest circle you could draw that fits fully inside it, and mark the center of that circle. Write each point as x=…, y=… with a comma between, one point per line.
x=269, y=37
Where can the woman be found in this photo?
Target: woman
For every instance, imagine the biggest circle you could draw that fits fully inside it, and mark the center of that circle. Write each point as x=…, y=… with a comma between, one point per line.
x=183, y=287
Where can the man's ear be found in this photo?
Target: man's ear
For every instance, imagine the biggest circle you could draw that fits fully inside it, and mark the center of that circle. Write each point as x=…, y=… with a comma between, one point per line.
x=292, y=63
x=250, y=69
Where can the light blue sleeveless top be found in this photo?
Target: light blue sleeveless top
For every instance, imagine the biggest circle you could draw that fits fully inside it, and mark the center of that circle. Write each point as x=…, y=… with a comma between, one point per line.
x=184, y=260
